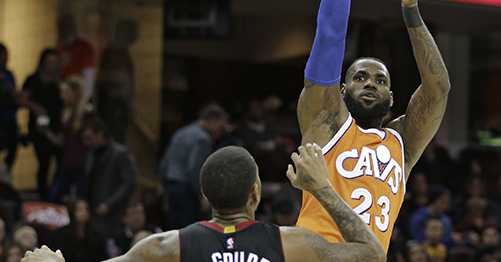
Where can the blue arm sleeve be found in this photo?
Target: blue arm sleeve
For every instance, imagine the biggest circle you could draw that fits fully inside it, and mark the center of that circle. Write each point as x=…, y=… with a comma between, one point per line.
x=326, y=57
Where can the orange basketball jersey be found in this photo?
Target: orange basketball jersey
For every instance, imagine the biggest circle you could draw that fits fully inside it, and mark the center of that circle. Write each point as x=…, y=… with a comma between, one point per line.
x=366, y=167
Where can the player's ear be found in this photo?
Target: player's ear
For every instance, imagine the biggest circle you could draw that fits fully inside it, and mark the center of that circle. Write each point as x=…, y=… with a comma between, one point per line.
x=342, y=88
x=391, y=98
x=255, y=196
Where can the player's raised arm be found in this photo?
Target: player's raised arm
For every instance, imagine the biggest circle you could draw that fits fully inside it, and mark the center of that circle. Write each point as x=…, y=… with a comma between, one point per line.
x=427, y=105
x=321, y=110
x=301, y=244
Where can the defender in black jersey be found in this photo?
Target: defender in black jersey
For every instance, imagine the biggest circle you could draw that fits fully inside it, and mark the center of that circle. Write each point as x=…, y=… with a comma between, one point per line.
x=229, y=180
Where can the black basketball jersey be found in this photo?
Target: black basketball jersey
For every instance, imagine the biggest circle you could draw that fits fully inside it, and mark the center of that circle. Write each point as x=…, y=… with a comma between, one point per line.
x=250, y=241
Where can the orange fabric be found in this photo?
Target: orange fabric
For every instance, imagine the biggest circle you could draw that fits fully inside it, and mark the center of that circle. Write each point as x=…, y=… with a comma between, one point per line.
x=75, y=57
x=375, y=193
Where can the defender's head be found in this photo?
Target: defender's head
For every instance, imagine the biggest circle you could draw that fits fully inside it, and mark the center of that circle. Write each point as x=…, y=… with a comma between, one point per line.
x=229, y=180
x=367, y=89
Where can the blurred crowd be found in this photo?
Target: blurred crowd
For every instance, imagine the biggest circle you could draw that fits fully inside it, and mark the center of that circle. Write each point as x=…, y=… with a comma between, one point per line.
x=80, y=106
x=80, y=111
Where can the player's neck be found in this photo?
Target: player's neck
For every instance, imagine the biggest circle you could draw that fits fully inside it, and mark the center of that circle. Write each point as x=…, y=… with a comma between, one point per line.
x=230, y=219
x=369, y=123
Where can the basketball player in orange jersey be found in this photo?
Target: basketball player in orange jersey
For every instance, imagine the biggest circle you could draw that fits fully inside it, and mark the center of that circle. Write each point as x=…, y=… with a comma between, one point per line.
x=368, y=164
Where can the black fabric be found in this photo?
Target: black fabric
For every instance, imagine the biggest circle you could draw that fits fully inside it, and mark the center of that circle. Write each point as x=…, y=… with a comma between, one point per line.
x=412, y=17
x=89, y=248
x=47, y=95
x=260, y=242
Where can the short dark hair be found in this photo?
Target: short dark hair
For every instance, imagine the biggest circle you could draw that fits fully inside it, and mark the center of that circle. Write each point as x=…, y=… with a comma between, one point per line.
x=350, y=68
x=45, y=53
x=227, y=177
x=213, y=111
x=3, y=48
x=97, y=125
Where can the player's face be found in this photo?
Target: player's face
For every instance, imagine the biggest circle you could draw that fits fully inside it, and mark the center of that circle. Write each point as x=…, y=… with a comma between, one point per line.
x=367, y=91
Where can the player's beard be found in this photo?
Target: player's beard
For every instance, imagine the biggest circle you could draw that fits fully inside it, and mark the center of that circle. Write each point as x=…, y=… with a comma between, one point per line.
x=360, y=112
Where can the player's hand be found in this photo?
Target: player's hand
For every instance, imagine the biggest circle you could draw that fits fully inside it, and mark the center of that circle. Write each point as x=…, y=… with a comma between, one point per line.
x=43, y=254
x=311, y=168
x=409, y=3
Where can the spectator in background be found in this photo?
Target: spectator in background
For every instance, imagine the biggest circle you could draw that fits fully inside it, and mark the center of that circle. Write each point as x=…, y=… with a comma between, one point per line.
x=112, y=177
x=27, y=237
x=436, y=251
x=415, y=198
x=8, y=107
x=77, y=56
x=139, y=236
x=490, y=236
x=115, y=81
x=76, y=114
x=416, y=252
x=285, y=212
x=418, y=196
x=474, y=187
x=264, y=143
x=14, y=253
x=2, y=237
x=180, y=166
x=438, y=165
x=494, y=203
x=41, y=95
x=135, y=222
x=439, y=202
x=475, y=219
x=78, y=241
x=488, y=247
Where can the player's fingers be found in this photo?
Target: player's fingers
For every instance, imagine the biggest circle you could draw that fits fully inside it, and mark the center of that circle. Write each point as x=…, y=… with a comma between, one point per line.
x=59, y=253
x=45, y=247
x=302, y=151
x=310, y=149
x=295, y=158
x=318, y=151
x=28, y=253
x=290, y=173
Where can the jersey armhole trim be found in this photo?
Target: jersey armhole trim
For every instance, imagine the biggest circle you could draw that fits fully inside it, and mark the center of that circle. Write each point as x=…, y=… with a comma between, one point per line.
x=281, y=243
x=180, y=250
x=401, y=141
x=338, y=135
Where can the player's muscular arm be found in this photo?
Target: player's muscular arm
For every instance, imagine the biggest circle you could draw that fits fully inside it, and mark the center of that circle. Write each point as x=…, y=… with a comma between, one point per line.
x=321, y=112
x=320, y=107
x=427, y=105
x=304, y=245
x=157, y=247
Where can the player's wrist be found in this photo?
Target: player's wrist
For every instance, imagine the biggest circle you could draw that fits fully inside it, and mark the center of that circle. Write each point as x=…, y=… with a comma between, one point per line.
x=320, y=187
x=412, y=17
